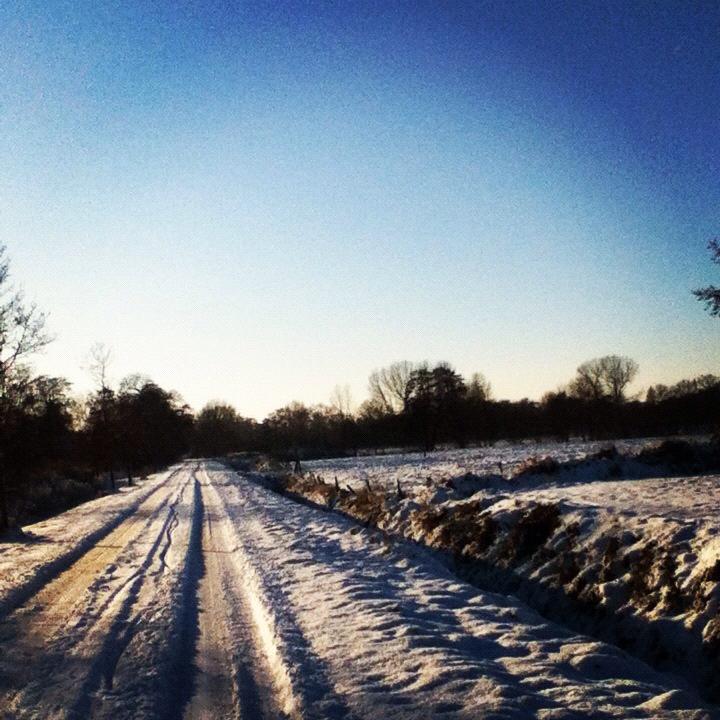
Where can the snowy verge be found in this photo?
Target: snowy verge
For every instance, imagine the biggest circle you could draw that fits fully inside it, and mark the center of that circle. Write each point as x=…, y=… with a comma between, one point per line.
x=47, y=548
x=381, y=628
x=505, y=463
x=634, y=562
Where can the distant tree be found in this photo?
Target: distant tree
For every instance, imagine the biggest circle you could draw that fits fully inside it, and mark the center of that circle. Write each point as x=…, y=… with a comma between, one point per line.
x=133, y=383
x=159, y=426
x=604, y=378
x=710, y=295
x=341, y=400
x=476, y=411
x=618, y=372
x=289, y=428
x=389, y=386
x=683, y=388
x=140, y=427
x=371, y=410
x=564, y=415
x=435, y=398
x=101, y=431
x=478, y=388
x=37, y=433
x=588, y=383
x=51, y=406
x=102, y=422
x=220, y=429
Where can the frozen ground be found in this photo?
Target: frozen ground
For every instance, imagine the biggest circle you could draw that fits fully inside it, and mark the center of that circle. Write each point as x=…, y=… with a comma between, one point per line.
x=634, y=503
x=414, y=469
x=633, y=561
x=215, y=598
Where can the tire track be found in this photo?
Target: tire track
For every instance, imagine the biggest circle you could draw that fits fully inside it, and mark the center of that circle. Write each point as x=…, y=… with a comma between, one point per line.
x=299, y=686
x=234, y=675
x=123, y=627
x=56, y=632
x=215, y=696
x=49, y=573
x=181, y=675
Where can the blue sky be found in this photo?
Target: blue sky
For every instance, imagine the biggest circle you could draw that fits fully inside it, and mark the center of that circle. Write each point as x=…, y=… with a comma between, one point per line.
x=257, y=201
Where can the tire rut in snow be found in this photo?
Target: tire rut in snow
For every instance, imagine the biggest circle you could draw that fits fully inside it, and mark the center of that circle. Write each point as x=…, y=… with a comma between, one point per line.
x=234, y=678
x=50, y=572
x=123, y=627
x=180, y=678
x=302, y=686
x=52, y=633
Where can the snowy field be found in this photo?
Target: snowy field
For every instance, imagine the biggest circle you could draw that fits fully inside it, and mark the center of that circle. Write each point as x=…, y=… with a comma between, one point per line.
x=212, y=597
x=605, y=544
x=413, y=470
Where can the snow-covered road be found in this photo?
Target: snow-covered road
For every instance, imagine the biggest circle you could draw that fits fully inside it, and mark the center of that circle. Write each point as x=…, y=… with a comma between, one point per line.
x=214, y=598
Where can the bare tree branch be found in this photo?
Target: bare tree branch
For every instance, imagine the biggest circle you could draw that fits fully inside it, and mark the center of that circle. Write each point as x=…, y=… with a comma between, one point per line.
x=389, y=386
x=99, y=360
x=22, y=327
x=710, y=295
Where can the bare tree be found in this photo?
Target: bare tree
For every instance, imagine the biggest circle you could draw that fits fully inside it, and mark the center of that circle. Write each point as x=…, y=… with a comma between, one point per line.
x=99, y=361
x=588, y=382
x=100, y=357
x=22, y=334
x=133, y=383
x=341, y=400
x=618, y=372
x=22, y=326
x=605, y=377
x=710, y=295
x=478, y=388
x=389, y=386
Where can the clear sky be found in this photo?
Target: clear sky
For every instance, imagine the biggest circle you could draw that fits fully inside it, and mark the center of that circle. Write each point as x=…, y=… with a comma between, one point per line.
x=257, y=201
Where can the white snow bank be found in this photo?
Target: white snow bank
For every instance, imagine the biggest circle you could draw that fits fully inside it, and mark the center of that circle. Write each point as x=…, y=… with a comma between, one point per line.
x=635, y=562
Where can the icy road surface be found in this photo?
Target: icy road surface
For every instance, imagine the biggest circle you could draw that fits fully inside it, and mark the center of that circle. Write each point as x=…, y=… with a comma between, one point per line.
x=208, y=596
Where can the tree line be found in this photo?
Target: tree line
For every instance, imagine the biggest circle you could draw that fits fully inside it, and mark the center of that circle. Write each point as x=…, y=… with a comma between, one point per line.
x=416, y=405
x=56, y=449
x=423, y=407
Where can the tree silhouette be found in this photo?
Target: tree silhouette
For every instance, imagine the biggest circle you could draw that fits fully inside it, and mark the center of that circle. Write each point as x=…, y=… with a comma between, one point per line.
x=389, y=387
x=710, y=295
x=220, y=429
x=22, y=333
x=604, y=378
x=435, y=400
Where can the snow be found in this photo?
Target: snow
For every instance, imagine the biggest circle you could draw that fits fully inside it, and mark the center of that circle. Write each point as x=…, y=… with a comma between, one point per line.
x=48, y=547
x=413, y=470
x=384, y=630
x=635, y=561
x=693, y=498
x=204, y=594
x=101, y=639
